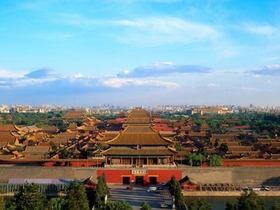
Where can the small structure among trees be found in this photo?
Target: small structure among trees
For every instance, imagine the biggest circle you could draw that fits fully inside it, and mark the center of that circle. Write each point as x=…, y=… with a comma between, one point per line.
x=188, y=184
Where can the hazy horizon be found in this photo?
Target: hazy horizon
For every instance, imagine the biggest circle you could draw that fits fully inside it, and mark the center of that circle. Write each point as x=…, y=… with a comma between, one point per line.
x=140, y=52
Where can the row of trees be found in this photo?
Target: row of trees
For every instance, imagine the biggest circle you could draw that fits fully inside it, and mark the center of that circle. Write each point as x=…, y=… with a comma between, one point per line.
x=29, y=118
x=30, y=197
x=77, y=197
x=200, y=156
x=249, y=200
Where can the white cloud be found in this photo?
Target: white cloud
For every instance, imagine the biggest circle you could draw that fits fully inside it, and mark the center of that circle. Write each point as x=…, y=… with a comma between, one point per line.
x=161, y=30
x=45, y=77
x=251, y=89
x=78, y=20
x=261, y=29
x=194, y=88
x=44, y=73
x=213, y=85
x=120, y=82
x=79, y=75
x=8, y=74
x=269, y=70
x=147, y=31
x=160, y=69
x=126, y=72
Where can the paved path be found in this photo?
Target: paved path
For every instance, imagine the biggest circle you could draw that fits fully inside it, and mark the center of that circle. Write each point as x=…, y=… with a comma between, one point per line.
x=136, y=196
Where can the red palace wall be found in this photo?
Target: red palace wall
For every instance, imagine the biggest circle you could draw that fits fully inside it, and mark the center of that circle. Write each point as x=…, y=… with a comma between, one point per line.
x=242, y=162
x=73, y=163
x=251, y=163
x=116, y=175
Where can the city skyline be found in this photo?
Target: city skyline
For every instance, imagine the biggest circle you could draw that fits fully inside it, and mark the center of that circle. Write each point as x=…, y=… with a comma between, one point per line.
x=135, y=53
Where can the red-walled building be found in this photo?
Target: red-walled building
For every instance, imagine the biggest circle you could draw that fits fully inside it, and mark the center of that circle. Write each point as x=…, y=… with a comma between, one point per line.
x=147, y=156
x=138, y=145
x=144, y=176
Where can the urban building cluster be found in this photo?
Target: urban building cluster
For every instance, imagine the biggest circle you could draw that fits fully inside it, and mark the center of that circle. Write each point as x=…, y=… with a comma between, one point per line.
x=110, y=109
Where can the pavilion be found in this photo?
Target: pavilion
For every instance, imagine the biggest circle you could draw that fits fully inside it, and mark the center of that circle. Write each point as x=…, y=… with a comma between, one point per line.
x=138, y=144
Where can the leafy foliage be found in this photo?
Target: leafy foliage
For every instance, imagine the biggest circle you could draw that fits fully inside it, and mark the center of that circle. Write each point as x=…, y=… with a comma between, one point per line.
x=223, y=148
x=145, y=206
x=229, y=206
x=56, y=204
x=29, y=118
x=76, y=197
x=250, y=200
x=275, y=206
x=247, y=201
x=194, y=159
x=176, y=191
x=101, y=191
x=200, y=204
x=2, y=203
x=118, y=205
x=215, y=160
x=30, y=197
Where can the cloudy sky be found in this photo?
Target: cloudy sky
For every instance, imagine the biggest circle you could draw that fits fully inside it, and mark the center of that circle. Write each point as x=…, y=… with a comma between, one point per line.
x=140, y=52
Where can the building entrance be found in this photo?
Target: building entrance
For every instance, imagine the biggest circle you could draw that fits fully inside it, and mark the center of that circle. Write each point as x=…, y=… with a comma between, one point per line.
x=126, y=180
x=153, y=180
x=139, y=180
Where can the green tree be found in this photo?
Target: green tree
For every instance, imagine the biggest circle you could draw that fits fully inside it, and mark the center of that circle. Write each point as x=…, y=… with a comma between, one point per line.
x=2, y=203
x=248, y=201
x=176, y=191
x=189, y=158
x=229, y=206
x=101, y=191
x=118, y=205
x=30, y=197
x=62, y=127
x=216, y=144
x=145, y=206
x=76, y=197
x=203, y=152
x=200, y=204
x=56, y=204
x=223, y=148
x=53, y=145
x=275, y=206
x=11, y=205
x=195, y=159
x=215, y=160
x=65, y=154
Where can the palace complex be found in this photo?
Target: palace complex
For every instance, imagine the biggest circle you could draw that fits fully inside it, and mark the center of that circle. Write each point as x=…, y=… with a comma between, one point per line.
x=138, y=144
x=136, y=138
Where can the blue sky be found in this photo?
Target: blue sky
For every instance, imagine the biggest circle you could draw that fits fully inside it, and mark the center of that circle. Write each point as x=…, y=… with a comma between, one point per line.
x=140, y=52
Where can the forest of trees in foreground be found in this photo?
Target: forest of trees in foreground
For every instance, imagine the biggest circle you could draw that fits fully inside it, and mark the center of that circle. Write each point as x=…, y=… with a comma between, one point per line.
x=78, y=197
